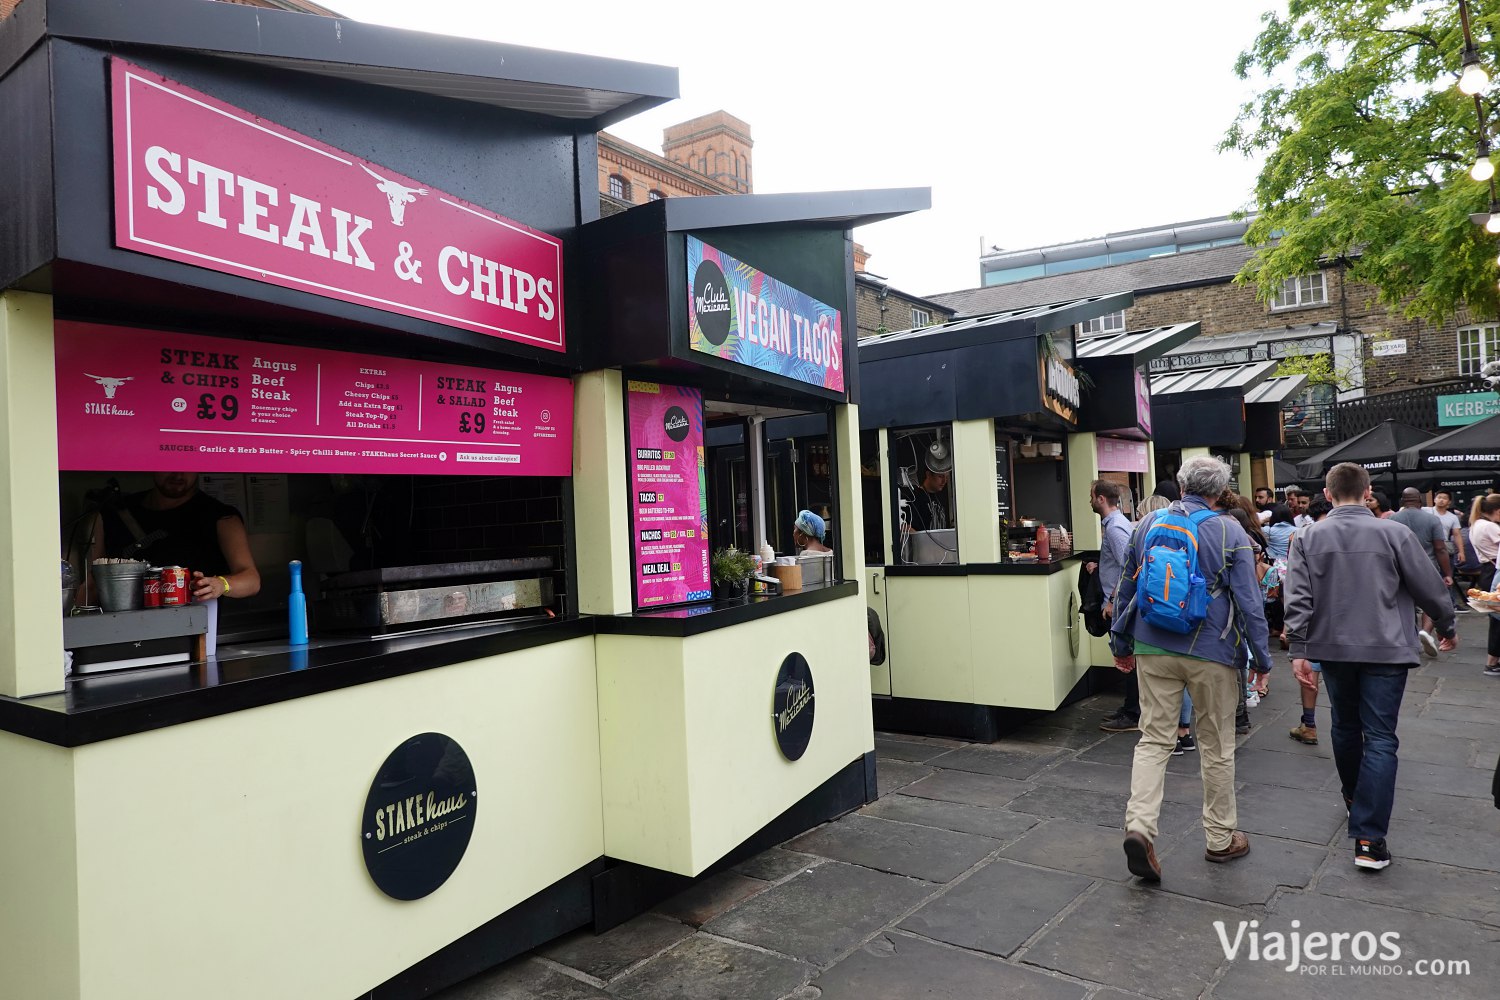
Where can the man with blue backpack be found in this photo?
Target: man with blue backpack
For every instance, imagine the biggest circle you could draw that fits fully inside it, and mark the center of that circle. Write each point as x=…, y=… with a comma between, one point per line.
x=1188, y=611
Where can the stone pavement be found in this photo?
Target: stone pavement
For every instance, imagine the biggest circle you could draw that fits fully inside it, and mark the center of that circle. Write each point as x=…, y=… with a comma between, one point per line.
x=989, y=871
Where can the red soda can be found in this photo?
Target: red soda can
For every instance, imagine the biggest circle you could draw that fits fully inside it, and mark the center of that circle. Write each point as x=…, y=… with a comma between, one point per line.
x=152, y=590
x=174, y=587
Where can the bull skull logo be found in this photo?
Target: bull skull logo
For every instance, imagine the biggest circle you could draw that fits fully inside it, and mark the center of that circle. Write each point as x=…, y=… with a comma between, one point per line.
x=110, y=384
x=398, y=195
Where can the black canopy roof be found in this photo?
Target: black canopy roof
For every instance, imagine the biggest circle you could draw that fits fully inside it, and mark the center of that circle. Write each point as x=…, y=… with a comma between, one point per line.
x=1473, y=446
x=1375, y=449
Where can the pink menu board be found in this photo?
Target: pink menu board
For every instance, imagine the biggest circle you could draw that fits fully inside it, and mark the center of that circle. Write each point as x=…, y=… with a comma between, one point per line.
x=145, y=400
x=668, y=494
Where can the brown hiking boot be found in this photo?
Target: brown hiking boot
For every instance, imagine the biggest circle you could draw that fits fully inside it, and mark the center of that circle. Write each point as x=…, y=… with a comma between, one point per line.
x=1239, y=846
x=1305, y=734
x=1140, y=857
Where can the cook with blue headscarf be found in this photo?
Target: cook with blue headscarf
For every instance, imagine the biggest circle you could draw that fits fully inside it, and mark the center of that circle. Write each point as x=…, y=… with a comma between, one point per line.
x=807, y=534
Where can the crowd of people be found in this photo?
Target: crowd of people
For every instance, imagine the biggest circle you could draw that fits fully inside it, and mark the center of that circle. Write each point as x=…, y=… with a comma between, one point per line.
x=1198, y=591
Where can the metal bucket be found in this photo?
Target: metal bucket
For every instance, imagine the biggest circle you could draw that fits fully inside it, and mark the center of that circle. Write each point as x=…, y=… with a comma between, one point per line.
x=119, y=585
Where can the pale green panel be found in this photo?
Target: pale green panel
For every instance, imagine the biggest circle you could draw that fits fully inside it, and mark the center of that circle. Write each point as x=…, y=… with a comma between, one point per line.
x=851, y=511
x=1015, y=639
x=885, y=502
x=875, y=594
x=1083, y=469
x=38, y=872
x=1243, y=472
x=31, y=660
x=222, y=858
x=738, y=778
x=643, y=750
x=927, y=632
x=1097, y=650
x=1188, y=453
x=1068, y=667
x=601, y=519
x=1150, y=469
x=977, y=498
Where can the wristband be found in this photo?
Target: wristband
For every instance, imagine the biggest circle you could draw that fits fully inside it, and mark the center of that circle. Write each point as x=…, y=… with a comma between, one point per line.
x=225, y=581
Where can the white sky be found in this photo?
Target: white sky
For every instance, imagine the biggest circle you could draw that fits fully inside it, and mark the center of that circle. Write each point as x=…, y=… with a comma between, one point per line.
x=1032, y=123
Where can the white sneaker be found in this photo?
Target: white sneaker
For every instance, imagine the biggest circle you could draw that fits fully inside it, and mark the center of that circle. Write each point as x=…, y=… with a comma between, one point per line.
x=1252, y=699
x=1429, y=645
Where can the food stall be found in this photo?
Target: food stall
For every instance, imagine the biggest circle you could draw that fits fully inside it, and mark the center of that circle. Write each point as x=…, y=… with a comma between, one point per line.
x=974, y=477
x=336, y=272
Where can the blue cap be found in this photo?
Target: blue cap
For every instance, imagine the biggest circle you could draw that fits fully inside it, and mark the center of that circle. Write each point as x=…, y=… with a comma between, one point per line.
x=810, y=524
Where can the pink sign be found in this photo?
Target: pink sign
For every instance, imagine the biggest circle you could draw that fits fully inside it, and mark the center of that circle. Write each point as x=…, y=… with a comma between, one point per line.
x=1142, y=401
x=668, y=494
x=205, y=183
x=142, y=400
x=1115, y=455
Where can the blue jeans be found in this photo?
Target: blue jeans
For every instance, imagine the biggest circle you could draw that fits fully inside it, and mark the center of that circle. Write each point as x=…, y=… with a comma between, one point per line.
x=1365, y=699
x=1185, y=717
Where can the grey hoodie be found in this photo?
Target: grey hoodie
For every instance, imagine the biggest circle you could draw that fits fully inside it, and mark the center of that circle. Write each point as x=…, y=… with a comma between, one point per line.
x=1351, y=583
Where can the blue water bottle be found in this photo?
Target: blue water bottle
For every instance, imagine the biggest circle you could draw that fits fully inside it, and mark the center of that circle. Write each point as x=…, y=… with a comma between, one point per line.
x=296, y=604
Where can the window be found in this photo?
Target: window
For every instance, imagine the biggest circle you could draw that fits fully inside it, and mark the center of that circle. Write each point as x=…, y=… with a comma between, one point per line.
x=920, y=318
x=1305, y=290
x=654, y=195
x=619, y=187
x=1109, y=323
x=1477, y=347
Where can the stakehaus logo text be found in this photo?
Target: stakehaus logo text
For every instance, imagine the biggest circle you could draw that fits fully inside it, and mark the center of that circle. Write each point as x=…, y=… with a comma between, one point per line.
x=1335, y=953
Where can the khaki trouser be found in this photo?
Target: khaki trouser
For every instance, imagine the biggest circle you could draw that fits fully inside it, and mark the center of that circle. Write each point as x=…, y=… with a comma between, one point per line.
x=1213, y=687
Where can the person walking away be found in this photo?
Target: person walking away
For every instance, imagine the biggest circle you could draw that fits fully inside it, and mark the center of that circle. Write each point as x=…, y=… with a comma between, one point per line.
x=1453, y=539
x=1306, y=730
x=1104, y=498
x=1278, y=538
x=1351, y=587
x=1188, y=605
x=1484, y=533
x=1429, y=532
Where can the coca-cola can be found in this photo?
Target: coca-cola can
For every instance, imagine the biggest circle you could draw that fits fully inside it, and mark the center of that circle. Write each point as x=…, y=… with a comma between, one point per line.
x=151, y=587
x=174, y=587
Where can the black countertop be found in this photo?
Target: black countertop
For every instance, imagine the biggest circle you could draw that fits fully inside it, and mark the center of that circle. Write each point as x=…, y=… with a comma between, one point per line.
x=98, y=707
x=987, y=569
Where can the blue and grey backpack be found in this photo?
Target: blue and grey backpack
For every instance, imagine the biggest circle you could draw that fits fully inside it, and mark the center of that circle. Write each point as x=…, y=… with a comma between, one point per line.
x=1171, y=592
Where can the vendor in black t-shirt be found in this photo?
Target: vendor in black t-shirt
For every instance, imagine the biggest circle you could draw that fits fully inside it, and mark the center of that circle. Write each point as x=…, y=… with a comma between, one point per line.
x=176, y=525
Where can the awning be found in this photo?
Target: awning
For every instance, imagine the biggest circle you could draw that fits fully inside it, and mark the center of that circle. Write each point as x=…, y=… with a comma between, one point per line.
x=1375, y=449
x=1276, y=390
x=993, y=328
x=1473, y=446
x=1140, y=345
x=1231, y=378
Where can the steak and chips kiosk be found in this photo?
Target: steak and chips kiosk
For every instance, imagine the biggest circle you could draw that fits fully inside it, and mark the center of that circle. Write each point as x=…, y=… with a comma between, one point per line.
x=354, y=278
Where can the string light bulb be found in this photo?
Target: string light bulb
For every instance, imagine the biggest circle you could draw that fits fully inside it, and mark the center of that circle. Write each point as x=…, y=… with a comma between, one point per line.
x=1493, y=225
x=1483, y=169
x=1474, y=79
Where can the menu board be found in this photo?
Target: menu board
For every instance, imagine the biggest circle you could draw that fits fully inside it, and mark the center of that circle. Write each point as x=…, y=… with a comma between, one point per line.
x=668, y=494
x=146, y=400
x=1002, y=481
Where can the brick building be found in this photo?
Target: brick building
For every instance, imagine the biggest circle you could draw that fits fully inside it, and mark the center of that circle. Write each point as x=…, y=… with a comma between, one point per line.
x=1185, y=272
x=707, y=155
x=880, y=308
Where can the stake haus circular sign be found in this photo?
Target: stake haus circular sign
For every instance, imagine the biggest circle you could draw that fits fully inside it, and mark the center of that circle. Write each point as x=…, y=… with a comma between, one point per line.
x=792, y=708
x=419, y=816
x=711, y=302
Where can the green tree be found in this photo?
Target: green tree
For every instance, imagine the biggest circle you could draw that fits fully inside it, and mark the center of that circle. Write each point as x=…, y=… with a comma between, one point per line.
x=1367, y=146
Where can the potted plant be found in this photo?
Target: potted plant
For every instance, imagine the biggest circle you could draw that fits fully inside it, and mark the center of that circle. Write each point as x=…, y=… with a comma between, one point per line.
x=731, y=574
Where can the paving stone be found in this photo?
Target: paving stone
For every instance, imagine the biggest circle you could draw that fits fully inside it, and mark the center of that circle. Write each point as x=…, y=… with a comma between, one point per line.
x=1452, y=713
x=937, y=741
x=1063, y=845
x=1088, y=776
x=705, y=900
x=1488, y=697
x=1289, y=813
x=998, y=824
x=1006, y=763
x=606, y=955
x=1416, y=682
x=1248, y=881
x=1120, y=750
x=902, y=750
x=1422, y=936
x=1470, y=678
x=893, y=774
x=900, y=848
x=1485, y=756
x=898, y=967
x=1443, y=779
x=521, y=979
x=774, y=864
x=1156, y=943
x=1453, y=729
x=1443, y=844
x=997, y=908
x=967, y=786
x=820, y=914
x=705, y=968
x=1272, y=767
x=1278, y=737
x=1419, y=885
x=1105, y=809
x=1429, y=749
x=1053, y=737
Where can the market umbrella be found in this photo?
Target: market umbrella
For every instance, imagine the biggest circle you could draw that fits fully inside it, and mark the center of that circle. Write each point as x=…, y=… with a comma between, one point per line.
x=1473, y=446
x=1375, y=449
x=1286, y=474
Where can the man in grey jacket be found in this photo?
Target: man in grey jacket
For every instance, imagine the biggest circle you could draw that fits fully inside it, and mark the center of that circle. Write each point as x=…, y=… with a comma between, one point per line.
x=1205, y=661
x=1351, y=582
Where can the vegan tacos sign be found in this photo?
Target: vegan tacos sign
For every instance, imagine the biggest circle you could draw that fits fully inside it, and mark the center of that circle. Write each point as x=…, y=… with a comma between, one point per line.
x=205, y=183
x=740, y=314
